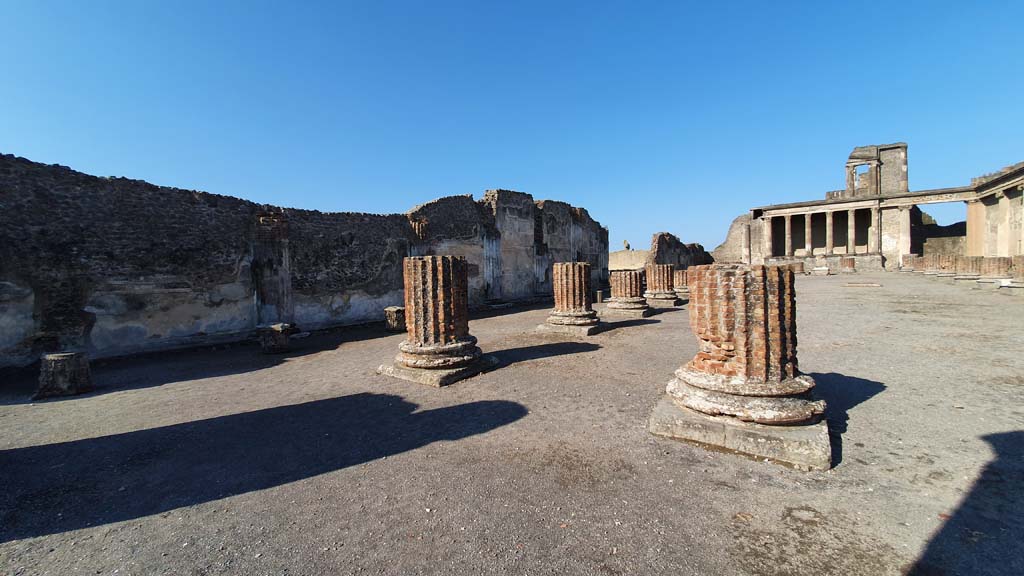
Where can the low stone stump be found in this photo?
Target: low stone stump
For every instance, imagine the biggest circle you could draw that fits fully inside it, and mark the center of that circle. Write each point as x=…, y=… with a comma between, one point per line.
x=820, y=271
x=63, y=374
x=573, y=313
x=627, y=295
x=797, y=267
x=661, y=287
x=743, y=390
x=847, y=265
x=394, y=319
x=438, y=349
x=275, y=338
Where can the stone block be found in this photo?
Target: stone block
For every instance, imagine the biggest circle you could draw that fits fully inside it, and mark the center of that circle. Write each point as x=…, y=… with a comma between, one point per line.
x=275, y=338
x=805, y=447
x=438, y=377
x=394, y=318
x=64, y=374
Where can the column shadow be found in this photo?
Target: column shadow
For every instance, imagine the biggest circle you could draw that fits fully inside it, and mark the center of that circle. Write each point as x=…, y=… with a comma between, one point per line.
x=608, y=326
x=525, y=353
x=983, y=536
x=842, y=393
x=70, y=485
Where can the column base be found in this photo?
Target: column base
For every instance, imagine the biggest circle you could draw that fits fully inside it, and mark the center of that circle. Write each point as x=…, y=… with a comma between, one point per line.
x=571, y=329
x=438, y=377
x=627, y=312
x=663, y=302
x=804, y=447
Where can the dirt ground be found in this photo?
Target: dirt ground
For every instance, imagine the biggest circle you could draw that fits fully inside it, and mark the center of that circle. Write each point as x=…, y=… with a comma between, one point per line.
x=226, y=461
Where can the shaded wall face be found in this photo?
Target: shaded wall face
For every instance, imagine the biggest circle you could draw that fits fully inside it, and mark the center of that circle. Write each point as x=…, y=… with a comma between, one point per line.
x=117, y=266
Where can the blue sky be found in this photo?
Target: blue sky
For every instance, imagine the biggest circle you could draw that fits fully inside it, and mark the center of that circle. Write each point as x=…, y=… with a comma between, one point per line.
x=652, y=115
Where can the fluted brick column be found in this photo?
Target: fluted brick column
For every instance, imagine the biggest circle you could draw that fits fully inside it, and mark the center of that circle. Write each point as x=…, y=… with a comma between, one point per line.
x=64, y=374
x=573, y=312
x=995, y=267
x=660, y=286
x=679, y=284
x=438, y=348
x=571, y=281
x=627, y=294
x=967, y=266
x=437, y=314
x=743, y=389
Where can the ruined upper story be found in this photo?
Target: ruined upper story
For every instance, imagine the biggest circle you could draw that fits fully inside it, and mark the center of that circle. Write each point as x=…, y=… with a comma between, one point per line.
x=875, y=170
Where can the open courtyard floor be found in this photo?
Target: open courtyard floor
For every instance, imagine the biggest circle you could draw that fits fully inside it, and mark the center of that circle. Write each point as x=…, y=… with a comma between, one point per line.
x=227, y=461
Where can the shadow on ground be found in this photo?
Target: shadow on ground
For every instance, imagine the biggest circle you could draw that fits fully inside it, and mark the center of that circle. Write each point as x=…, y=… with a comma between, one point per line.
x=59, y=487
x=526, y=353
x=984, y=536
x=607, y=326
x=842, y=393
x=159, y=368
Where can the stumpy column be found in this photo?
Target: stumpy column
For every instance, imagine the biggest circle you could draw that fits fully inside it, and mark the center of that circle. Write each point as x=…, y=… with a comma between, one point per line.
x=743, y=391
x=661, y=287
x=680, y=286
x=64, y=374
x=574, y=311
x=438, y=349
x=627, y=294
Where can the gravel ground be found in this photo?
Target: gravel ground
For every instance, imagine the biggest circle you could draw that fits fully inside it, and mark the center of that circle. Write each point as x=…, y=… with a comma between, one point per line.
x=226, y=461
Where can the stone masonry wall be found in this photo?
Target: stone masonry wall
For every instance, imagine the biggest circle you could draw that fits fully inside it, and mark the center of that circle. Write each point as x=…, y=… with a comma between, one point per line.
x=117, y=266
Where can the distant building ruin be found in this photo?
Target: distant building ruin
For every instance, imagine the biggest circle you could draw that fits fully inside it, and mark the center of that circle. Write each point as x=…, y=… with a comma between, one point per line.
x=876, y=219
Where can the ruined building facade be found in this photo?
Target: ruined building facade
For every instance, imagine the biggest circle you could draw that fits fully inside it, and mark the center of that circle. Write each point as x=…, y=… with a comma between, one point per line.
x=117, y=266
x=876, y=219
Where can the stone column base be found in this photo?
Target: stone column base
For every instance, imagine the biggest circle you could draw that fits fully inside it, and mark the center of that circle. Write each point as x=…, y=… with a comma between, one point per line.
x=571, y=329
x=628, y=312
x=805, y=447
x=663, y=300
x=438, y=377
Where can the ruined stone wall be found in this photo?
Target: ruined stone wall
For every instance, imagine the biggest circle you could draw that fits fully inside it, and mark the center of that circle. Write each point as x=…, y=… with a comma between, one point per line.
x=514, y=218
x=567, y=234
x=117, y=266
x=666, y=248
x=742, y=243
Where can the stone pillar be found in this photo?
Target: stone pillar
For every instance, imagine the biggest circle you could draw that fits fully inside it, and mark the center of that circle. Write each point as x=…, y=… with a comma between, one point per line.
x=271, y=269
x=874, y=246
x=766, y=233
x=660, y=286
x=789, y=236
x=904, y=242
x=574, y=312
x=394, y=319
x=627, y=294
x=847, y=265
x=829, y=240
x=438, y=349
x=680, y=286
x=64, y=374
x=743, y=390
x=851, y=232
x=808, y=237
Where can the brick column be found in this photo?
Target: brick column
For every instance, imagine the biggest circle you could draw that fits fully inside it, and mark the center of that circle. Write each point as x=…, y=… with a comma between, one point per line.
x=829, y=240
x=573, y=311
x=789, y=236
x=807, y=235
x=438, y=348
x=679, y=284
x=627, y=294
x=660, y=286
x=851, y=231
x=743, y=390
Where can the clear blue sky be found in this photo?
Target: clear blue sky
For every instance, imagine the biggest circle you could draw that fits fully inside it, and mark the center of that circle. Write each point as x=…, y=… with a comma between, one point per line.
x=652, y=115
